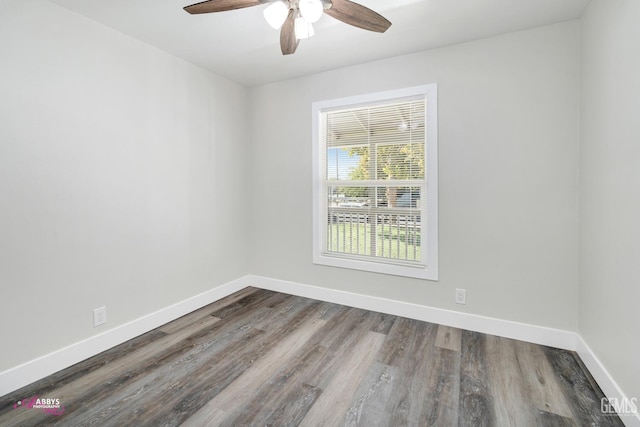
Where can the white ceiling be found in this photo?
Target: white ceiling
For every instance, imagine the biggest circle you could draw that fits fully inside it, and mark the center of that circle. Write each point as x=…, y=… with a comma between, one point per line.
x=241, y=46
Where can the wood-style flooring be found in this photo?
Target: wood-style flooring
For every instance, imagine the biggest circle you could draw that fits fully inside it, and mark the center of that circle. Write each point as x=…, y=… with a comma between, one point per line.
x=262, y=358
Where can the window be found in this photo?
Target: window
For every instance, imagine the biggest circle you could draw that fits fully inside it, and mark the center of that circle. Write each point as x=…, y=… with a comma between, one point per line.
x=375, y=184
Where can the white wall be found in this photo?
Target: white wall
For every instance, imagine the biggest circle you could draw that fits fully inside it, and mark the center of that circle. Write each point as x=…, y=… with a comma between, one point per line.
x=508, y=139
x=609, y=188
x=118, y=164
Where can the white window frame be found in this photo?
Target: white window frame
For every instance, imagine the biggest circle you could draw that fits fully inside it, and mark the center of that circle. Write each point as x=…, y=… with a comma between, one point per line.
x=429, y=210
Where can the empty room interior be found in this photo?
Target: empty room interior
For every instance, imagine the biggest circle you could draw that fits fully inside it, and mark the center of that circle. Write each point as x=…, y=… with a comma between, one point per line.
x=423, y=212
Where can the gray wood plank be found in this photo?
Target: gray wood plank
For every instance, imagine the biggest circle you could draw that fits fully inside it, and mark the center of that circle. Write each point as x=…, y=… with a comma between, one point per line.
x=338, y=338
x=314, y=364
x=369, y=406
x=512, y=405
x=206, y=382
x=476, y=401
x=382, y=323
x=294, y=407
x=449, y=338
x=258, y=374
x=539, y=379
x=398, y=342
x=548, y=419
x=208, y=310
x=427, y=391
x=441, y=390
x=259, y=298
x=583, y=399
x=331, y=407
x=275, y=394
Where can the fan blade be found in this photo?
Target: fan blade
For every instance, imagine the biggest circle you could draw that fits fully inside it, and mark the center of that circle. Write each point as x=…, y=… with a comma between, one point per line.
x=288, y=40
x=220, y=5
x=357, y=15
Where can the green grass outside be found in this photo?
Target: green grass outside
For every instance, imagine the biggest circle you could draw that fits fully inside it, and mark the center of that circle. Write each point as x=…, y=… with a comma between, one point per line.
x=392, y=241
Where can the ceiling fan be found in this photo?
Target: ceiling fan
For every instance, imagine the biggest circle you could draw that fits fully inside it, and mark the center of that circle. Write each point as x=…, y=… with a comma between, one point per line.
x=294, y=18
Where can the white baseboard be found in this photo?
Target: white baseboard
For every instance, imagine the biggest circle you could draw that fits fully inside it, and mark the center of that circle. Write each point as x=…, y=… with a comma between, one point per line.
x=606, y=382
x=22, y=375
x=488, y=325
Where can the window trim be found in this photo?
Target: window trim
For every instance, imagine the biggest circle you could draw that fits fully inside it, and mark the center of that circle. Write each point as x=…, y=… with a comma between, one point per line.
x=430, y=213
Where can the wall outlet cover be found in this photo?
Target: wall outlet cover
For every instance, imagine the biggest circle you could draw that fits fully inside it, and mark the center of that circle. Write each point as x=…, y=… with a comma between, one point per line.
x=99, y=316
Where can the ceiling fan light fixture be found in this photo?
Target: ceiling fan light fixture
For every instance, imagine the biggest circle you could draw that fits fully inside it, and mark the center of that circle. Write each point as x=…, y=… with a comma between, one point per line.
x=276, y=13
x=311, y=10
x=303, y=28
x=294, y=18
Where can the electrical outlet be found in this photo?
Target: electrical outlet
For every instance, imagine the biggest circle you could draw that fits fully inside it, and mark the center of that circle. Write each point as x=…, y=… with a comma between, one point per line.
x=461, y=296
x=99, y=316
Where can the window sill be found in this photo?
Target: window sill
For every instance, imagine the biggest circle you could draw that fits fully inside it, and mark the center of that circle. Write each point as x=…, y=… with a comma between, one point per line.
x=415, y=272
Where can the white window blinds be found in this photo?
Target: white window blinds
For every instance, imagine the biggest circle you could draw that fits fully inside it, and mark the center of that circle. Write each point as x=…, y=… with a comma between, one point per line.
x=375, y=174
x=375, y=182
